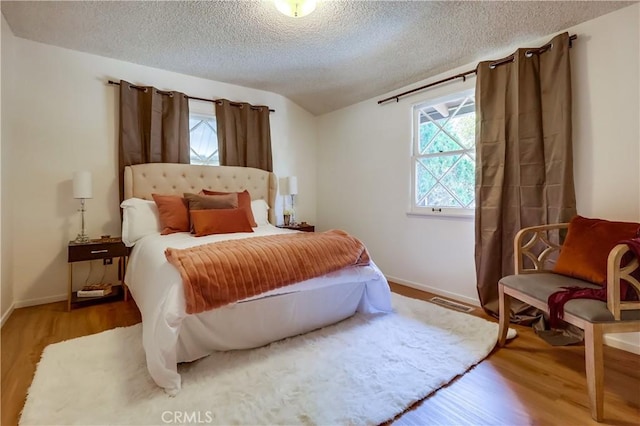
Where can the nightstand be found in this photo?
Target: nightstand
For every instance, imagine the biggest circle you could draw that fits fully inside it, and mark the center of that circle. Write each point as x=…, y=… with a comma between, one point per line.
x=305, y=227
x=105, y=248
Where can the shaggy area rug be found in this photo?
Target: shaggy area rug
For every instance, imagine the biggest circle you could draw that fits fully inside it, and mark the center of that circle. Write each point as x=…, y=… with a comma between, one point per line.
x=364, y=370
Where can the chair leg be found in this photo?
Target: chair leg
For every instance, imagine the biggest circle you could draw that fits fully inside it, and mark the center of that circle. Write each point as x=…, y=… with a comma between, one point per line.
x=504, y=301
x=593, y=348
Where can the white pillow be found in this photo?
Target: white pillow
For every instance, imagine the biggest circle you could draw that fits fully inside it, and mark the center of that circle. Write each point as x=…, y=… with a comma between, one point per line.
x=260, y=210
x=139, y=218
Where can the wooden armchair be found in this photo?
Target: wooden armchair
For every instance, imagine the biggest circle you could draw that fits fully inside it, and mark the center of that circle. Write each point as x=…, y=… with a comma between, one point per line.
x=534, y=284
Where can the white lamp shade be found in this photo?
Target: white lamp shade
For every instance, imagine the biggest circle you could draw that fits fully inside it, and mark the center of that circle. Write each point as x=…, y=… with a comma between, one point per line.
x=292, y=184
x=284, y=186
x=82, y=187
x=289, y=185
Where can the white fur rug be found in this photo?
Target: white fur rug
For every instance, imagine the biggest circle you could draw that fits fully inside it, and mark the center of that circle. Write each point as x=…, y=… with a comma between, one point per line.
x=364, y=370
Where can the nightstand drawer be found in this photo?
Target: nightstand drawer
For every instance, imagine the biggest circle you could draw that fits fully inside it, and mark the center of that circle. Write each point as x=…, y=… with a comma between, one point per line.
x=80, y=252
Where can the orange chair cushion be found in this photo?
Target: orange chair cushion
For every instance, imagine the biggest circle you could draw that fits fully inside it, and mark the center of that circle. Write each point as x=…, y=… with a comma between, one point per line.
x=587, y=245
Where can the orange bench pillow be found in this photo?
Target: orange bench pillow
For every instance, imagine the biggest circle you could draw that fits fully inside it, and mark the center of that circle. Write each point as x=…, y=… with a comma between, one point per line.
x=587, y=245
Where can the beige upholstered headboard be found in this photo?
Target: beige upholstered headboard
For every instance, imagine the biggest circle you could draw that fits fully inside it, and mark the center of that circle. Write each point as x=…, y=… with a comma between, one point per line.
x=142, y=180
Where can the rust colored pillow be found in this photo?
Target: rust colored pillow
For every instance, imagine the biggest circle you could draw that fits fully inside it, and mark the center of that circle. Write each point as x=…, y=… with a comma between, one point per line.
x=173, y=212
x=244, y=202
x=586, y=249
x=206, y=202
x=219, y=221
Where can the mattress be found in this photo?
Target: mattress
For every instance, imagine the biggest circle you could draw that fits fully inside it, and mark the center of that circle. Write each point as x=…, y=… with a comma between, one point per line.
x=171, y=336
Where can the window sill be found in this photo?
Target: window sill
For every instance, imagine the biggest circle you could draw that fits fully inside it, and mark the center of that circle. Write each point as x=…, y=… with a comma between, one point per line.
x=444, y=213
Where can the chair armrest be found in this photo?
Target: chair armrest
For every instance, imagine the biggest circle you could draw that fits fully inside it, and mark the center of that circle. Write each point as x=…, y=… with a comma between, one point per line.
x=615, y=273
x=540, y=239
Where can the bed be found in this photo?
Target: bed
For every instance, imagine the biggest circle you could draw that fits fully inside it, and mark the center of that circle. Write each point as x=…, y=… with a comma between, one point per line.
x=170, y=335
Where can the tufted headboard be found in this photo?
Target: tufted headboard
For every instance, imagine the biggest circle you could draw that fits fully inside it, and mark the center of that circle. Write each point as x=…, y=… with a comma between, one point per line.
x=142, y=180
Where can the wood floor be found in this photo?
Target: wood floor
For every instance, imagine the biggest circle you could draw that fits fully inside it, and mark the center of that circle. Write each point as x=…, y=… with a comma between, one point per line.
x=526, y=383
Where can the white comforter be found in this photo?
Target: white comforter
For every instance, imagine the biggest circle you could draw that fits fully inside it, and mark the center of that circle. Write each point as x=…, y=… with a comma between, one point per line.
x=156, y=287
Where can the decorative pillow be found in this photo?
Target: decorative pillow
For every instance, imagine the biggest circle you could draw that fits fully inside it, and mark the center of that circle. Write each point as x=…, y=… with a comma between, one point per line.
x=139, y=218
x=174, y=213
x=219, y=221
x=260, y=210
x=586, y=249
x=206, y=202
x=244, y=202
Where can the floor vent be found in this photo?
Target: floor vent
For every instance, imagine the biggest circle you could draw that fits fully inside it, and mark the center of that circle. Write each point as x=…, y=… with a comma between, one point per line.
x=451, y=305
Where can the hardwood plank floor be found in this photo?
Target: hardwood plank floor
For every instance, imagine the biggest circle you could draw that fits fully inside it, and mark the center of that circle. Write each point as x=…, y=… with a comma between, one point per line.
x=528, y=382
x=29, y=330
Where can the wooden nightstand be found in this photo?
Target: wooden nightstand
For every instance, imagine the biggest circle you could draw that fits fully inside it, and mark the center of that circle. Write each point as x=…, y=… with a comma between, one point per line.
x=107, y=248
x=305, y=227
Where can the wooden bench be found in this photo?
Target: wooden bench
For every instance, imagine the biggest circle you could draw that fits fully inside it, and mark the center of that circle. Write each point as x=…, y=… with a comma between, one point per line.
x=534, y=284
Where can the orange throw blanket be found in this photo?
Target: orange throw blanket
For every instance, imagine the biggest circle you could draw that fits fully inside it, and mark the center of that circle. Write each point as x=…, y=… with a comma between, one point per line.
x=217, y=274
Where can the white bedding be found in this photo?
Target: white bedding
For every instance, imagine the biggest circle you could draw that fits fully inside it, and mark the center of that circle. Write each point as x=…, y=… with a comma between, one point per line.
x=171, y=336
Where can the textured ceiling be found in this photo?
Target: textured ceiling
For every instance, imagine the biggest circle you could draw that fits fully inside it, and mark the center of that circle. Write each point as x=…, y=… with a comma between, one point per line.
x=343, y=53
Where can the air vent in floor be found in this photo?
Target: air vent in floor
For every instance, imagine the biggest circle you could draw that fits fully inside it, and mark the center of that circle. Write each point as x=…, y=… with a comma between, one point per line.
x=451, y=305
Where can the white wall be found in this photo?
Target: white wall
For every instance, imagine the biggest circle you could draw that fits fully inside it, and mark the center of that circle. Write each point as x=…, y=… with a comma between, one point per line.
x=606, y=81
x=63, y=118
x=6, y=84
x=364, y=162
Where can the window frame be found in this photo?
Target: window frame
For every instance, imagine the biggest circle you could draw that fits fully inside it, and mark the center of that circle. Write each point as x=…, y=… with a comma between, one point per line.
x=414, y=209
x=201, y=110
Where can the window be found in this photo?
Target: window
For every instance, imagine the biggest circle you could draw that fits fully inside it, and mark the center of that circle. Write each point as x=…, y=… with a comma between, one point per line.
x=443, y=160
x=203, y=140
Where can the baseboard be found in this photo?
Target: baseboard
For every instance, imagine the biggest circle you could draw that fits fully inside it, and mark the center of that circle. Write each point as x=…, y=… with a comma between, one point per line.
x=437, y=291
x=40, y=301
x=616, y=342
x=7, y=314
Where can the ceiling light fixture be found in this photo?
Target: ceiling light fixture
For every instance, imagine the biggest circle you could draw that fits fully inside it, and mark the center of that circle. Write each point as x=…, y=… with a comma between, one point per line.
x=295, y=8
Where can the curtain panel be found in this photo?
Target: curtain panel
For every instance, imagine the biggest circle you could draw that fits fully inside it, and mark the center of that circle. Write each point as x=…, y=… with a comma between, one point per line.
x=244, y=135
x=524, y=164
x=154, y=127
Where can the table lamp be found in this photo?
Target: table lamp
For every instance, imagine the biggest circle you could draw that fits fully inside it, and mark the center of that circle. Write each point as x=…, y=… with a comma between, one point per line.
x=292, y=185
x=82, y=189
x=289, y=186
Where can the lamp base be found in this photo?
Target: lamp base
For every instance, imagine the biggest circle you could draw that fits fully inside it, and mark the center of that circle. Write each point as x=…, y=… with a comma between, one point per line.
x=82, y=238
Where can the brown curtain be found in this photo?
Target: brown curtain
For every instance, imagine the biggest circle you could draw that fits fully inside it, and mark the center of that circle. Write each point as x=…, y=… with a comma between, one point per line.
x=524, y=165
x=244, y=135
x=154, y=127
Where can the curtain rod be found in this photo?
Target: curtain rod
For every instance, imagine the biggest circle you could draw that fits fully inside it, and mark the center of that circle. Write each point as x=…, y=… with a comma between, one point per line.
x=215, y=101
x=463, y=75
